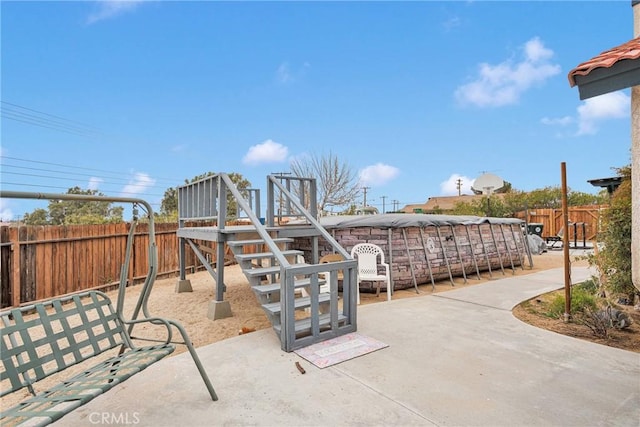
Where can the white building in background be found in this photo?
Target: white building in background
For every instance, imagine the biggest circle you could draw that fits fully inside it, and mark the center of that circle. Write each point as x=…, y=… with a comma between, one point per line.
x=367, y=210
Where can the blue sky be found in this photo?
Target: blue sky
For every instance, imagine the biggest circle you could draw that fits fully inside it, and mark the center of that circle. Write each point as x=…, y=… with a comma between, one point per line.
x=133, y=98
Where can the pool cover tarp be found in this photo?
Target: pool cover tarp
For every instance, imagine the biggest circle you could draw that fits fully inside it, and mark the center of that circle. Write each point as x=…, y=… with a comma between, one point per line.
x=409, y=220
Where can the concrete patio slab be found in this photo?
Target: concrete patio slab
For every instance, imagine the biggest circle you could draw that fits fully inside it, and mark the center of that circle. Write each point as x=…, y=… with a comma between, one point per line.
x=457, y=358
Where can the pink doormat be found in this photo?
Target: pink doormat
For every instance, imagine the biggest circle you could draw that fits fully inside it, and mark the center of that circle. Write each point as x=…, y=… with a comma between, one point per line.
x=337, y=350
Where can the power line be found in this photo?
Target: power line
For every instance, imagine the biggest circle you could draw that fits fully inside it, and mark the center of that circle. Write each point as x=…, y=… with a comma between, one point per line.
x=45, y=114
x=57, y=177
x=103, y=181
x=40, y=123
x=78, y=168
x=67, y=179
x=121, y=180
x=33, y=117
x=34, y=185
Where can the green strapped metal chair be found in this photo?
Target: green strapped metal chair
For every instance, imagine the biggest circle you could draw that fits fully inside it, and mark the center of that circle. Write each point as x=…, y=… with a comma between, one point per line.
x=66, y=332
x=44, y=338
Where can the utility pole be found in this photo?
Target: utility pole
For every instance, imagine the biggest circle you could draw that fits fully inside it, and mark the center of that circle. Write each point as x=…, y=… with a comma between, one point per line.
x=459, y=186
x=364, y=189
x=395, y=205
x=383, y=199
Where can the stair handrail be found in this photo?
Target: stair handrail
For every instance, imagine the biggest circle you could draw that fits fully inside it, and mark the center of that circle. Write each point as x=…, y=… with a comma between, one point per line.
x=273, y=180
x=210, y=192
x=313, y=204
x=259, y=227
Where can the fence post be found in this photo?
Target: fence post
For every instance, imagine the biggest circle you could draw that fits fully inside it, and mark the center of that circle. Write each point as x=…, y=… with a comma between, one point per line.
x=15, y=266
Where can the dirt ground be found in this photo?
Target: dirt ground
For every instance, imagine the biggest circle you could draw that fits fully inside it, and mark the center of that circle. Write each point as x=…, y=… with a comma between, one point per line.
x=190, y=308
x=535, y=312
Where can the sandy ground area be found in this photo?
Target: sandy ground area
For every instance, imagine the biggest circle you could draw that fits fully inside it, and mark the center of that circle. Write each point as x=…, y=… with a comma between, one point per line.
x=190, y=308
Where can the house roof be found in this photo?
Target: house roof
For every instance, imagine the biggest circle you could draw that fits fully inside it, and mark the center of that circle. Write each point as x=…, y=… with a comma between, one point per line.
x=449, y=202
x=446, y=203
x=611, y=70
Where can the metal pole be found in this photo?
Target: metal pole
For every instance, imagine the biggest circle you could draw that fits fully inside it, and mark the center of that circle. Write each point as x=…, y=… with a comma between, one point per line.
x=515, y=240
x=495, y=244
x=565, y=244
x=455, y=242
x=444, y=254
x=390, y=257
x=485, y=250
x=526, y=246
x=413, y=274
x=152, y=247
x=507, y=248
x=473, y=252
x=426, y=255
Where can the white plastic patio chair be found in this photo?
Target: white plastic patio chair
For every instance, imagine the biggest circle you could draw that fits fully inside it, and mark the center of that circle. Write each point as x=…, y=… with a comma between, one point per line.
x=325, y=260
x=368, y=267
x=325, y=288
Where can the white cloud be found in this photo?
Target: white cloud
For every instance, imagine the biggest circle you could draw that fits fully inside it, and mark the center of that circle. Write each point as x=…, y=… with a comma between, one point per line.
x=536, y=52
x=558, y=121
x=592, y=113
x=283, y=74
x=504, y=83
x=615, y=105
x=267, y=152
x=450, y=186
x=94, y=183
x=378, y=174
x=451, y=23
x=178, y=148
x=110, y=8
x=6, y=214
x=138, y=184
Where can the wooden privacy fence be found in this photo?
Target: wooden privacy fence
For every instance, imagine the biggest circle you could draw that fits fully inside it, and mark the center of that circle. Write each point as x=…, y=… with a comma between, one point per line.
x=39, y=262
x=552, y=221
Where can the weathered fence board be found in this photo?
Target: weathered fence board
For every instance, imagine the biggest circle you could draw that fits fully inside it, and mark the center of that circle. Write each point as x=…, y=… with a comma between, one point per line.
x=5, y=264
x=551, y=220
x=39, y=262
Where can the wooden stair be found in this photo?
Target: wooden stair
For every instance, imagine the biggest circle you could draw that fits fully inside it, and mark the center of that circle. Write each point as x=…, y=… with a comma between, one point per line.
x=262, y=270
x=303, y=307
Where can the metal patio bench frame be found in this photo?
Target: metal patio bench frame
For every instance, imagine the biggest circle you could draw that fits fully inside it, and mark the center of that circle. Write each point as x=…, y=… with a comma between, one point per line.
x=47, y=337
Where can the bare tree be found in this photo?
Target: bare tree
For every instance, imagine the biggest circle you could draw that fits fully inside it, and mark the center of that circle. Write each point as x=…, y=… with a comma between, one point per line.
x=337, y=183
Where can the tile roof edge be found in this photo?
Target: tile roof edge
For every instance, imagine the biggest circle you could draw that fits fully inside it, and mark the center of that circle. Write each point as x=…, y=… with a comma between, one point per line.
x=607, y=59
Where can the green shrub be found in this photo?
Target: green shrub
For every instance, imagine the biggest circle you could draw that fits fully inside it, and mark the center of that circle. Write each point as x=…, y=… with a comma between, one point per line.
x=590, y=286
x=614, y=260
x=581, y=300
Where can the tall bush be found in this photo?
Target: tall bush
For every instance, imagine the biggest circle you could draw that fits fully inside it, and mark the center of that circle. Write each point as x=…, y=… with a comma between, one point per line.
x=614, y=259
